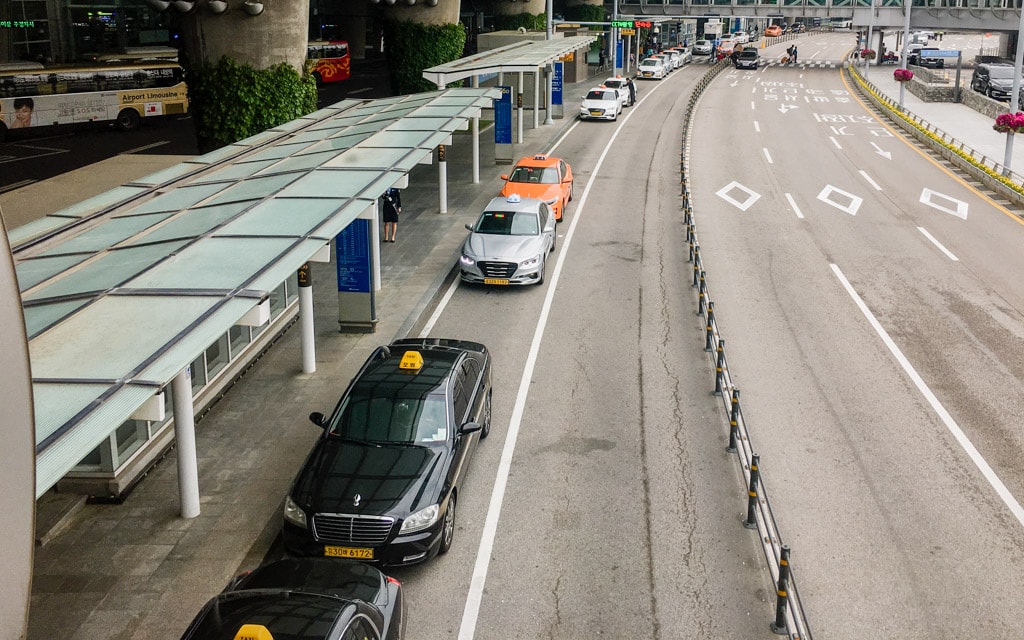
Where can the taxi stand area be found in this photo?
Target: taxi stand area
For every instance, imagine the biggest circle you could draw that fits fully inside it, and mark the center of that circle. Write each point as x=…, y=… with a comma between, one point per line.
x=176, y=280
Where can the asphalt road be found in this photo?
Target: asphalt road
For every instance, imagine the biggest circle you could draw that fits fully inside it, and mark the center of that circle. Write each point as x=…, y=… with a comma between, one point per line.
x=873, y=318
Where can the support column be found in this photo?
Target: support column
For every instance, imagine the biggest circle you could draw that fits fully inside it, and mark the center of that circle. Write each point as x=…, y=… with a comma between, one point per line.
x=519, y=110
x=306, y=318
x=475, y=131
x=536, y=98
x=548, y=90
x=185, y=435
x=442, y=178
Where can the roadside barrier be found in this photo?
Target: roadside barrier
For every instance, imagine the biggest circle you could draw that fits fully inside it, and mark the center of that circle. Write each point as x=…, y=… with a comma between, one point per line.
x=790, y=618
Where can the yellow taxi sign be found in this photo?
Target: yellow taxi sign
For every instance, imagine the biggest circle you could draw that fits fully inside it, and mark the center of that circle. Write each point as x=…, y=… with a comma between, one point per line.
x=411, y=361
x=254, y=632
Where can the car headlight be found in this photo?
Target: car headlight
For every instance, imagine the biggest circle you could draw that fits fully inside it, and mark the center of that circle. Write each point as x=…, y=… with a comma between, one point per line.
x=294, y=514
x=529, y=262
x=466, y=260
x=421, y=519
x=551, y=202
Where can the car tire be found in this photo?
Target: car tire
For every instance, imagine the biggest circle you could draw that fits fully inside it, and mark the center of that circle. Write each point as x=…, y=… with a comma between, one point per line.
x=448, y=527
x=543, y=271
x=128, y=119
x=570, y=196
x=485, y=429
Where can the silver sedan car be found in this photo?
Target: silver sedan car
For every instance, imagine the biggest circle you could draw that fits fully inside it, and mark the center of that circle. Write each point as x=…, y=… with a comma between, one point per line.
x=510, y=243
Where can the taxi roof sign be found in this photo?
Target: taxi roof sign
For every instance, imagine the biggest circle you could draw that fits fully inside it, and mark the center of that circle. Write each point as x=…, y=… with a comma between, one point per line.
x=411, y=361
x=254, y=632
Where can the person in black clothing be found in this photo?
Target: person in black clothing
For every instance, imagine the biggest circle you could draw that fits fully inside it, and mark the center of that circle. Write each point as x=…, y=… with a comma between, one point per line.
x=392, y=207
x=632, y=91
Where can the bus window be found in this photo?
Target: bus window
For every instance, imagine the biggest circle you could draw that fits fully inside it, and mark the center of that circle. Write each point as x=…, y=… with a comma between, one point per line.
x=329, y=61
x=122, y=94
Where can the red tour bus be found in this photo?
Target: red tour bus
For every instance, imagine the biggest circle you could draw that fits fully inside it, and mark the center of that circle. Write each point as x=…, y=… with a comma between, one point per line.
x=330, y=61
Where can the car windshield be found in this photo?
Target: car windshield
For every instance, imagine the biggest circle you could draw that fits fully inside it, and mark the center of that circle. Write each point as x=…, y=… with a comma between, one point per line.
x=747, y=53
x=650, y=63
x=508, y=223
x=614, y=84
x=600, y=95
x=392, y=414
x=542, y=175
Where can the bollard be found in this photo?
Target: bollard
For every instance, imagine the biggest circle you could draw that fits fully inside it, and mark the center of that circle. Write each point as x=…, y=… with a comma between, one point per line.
x=751, y=521
x=709, y=335
x=687, y=217
x=720, y=367
x=734, y=425
x=696, y=264
x=778, y=627
x=693, y=247
x=702, y=292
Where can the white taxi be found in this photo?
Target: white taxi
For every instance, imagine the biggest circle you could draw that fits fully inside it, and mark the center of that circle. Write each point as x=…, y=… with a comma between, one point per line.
x=601, y=103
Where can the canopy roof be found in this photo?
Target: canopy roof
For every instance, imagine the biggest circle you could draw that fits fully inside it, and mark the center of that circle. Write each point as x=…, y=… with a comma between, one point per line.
x=526, y=56
x=123, y=291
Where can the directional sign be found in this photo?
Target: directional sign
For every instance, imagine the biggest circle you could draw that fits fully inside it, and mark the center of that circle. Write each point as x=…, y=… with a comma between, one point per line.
x=939, y=53
x=627, y=32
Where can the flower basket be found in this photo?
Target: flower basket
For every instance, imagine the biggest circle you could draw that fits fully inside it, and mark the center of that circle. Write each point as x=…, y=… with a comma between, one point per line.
x=903, y=75
x=1010, y=123
x=867, y=54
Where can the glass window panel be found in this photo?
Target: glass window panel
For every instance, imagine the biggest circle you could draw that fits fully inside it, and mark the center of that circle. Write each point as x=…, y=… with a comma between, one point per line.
x=217, y=356
x=277, y=301
x=128, y=438
x=198, y=374
x=93, y=459
x=238, y=338
x=292, y=285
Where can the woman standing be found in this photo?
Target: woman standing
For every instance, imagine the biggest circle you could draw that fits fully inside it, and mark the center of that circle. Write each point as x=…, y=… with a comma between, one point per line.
x=392, y=207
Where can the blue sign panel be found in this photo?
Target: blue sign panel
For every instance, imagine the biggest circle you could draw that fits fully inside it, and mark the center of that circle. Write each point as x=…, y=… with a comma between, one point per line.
x=556, y=85
x=353, y=251
x=503, y=117
x=618, y=54
x=939, y=53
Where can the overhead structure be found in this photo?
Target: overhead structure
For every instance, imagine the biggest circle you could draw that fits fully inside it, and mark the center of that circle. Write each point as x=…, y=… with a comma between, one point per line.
x=123, y=292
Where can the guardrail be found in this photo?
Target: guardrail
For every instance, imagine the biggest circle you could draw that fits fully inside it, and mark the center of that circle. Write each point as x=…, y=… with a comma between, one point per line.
x=790, y=618
x=992, y=174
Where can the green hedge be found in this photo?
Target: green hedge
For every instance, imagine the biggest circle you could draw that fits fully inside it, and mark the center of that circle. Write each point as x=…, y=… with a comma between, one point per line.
x=529, y=21
x=411, y=47
x=586, y=13
x=230, y=101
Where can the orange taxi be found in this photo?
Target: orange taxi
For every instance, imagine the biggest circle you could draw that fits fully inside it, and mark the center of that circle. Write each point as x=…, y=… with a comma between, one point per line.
x=543, y=177
x=773, y=30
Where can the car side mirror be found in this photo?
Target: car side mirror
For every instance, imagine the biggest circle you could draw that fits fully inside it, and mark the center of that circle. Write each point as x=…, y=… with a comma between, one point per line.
x=318, y=419
x=504, y=177
x=470, y=427
x=469, y=227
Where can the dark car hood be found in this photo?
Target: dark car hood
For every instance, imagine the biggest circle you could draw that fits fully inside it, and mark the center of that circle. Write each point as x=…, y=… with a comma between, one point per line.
x=390, y=480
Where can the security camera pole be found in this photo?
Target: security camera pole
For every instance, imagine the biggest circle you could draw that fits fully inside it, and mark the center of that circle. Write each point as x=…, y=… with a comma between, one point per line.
x=1014, y=94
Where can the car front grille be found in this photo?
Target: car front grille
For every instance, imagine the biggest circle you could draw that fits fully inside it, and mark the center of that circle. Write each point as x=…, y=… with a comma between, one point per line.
x=337, y=528
x=497, y=269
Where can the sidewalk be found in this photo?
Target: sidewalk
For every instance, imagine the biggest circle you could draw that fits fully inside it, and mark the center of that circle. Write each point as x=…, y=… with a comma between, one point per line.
x=120, y=571
x=123, y=571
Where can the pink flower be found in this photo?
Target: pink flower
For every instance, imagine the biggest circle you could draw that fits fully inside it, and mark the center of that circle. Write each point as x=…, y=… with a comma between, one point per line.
x=1008, y=122
x=902, y=75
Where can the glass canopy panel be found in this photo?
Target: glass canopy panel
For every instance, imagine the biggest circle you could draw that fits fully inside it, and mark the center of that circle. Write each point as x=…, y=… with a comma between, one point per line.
x=32, y=272
x=340, y=143
x=256, y=188
x=304, y=162
x=178, y=199
x=234, y=171
x=283, y=217
x=167, y=175
x=286, y=266
x=307, y=137
x=277, y=152
x=324, y=183
x=105, y=235
x=82, y=347
x=336, y=223
x=39, y=318
x=176, y=356
x=213, y=263
x=448, y=112
x=36, y=228
x=193, y=223
x=422, y=123
x=103, y=201
x=56, y=403
x=260, y=138
x=398, y=139
x=341, y=121
x=107, y=271
x=363, y=158
x=219, y=155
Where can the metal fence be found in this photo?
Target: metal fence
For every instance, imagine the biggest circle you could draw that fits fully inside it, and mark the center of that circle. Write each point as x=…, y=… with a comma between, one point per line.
x=790, y=618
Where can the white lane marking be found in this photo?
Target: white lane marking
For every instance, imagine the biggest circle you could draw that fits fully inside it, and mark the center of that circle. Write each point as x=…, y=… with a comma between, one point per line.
x=960, y=210
x=474, y=597
x=792, y=203
x=767, y=155
x=753, y=105
x=148, y=146
x=885, y=154
x=870, y=181
x=752, y=196
x=949, y=254
x=835, y=142
x=851, y=207
x=947, y=419
x=757, y=127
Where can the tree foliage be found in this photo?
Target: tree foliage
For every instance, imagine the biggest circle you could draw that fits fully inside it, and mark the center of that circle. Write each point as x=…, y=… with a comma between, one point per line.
x=411, y=47
x=528, y=21
x=230, y=101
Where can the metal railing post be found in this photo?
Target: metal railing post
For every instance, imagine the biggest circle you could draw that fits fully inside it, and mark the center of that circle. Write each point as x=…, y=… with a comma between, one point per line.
x=778, y=626
x=734, y=425
x=751, y=521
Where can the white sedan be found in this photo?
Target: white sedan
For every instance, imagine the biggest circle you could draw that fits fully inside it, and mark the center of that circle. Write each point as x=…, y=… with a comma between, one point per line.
x=601, y=103
x=651, y=69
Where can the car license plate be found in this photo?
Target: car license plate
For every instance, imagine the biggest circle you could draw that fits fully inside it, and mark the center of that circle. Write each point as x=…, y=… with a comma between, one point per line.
x=349, y=552
x=648, y=74
x=495, y=281
x=596, y=112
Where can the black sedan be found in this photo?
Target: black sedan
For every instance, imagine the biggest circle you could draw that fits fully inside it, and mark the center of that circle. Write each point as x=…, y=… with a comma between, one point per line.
x=382, y=482
x=305, y=599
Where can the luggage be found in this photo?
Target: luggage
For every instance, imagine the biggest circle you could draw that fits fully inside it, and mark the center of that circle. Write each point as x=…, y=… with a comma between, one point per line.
x=785, y=59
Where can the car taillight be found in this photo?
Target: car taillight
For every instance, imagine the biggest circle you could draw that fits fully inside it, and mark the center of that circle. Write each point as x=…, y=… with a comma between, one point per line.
x=392, y=580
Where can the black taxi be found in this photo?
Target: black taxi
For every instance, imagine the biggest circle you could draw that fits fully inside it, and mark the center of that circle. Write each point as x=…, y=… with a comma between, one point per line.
x=382, y=482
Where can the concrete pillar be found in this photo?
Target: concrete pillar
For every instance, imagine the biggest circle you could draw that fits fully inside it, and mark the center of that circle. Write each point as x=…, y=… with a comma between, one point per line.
x=445, y=12
x=308, y=337
x=185, y=437
x=279, y=34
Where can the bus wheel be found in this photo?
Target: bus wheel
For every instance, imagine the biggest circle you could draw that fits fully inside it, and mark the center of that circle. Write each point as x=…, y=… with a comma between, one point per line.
x=319, y=78
x=128, y=119
x=3, y=132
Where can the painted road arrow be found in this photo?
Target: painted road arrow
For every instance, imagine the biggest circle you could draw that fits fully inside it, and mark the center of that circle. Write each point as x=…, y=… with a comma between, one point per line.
x=884, y=154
